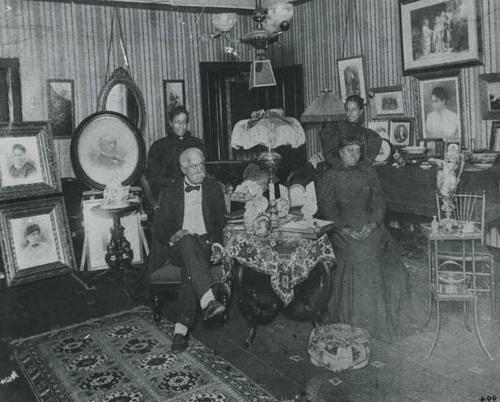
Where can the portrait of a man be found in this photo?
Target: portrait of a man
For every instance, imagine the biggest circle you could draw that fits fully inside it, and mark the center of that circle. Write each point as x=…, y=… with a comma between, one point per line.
x=400, y=133
x=36, y=247
x=109, y=155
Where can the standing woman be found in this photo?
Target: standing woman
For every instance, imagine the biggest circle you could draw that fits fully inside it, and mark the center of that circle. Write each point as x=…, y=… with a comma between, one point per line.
x=163, y=157
x=370, y=282
x=331, y=134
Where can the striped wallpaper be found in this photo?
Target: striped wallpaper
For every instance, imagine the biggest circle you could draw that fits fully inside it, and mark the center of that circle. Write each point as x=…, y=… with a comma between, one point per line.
x=64, y=40
x=316, y=40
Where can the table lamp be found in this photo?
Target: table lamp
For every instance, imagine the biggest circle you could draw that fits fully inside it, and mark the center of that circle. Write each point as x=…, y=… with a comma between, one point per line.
x=272, y=129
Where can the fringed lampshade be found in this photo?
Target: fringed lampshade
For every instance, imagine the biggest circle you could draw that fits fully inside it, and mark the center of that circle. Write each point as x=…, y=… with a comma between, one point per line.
x=326, y=107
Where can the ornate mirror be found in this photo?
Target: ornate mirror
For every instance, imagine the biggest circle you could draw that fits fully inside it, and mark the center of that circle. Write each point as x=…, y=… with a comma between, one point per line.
x=122, y=95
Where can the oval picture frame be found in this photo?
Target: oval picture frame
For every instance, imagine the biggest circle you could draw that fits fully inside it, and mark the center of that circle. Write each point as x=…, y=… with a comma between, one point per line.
x=262, y=225
x=107, y=147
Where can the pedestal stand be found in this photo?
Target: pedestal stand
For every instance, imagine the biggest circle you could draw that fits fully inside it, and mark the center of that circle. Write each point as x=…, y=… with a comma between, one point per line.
x=119, y=254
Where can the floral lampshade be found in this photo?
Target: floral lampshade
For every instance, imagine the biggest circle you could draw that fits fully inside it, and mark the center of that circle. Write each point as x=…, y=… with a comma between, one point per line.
x=270, y=128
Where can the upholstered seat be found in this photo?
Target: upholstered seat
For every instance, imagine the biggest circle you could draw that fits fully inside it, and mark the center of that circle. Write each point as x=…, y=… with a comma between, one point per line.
x=165, y=281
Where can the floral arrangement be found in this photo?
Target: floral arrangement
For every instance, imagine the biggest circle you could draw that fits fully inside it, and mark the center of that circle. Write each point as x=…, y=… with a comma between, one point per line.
x=448, y=177
x=248, y=190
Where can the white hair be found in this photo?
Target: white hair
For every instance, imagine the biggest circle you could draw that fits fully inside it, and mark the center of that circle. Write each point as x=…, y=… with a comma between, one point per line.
x=188, y=153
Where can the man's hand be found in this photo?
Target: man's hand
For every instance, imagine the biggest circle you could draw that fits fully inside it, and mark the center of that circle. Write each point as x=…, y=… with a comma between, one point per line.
x=178, y=235
x=217, y=251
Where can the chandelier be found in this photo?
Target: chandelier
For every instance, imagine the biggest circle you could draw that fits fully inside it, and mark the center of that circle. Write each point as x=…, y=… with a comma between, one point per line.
x=270, y=23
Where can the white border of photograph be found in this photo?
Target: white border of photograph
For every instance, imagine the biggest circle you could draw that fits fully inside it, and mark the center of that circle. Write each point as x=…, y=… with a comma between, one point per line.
x=381, y=127
x=98, y=235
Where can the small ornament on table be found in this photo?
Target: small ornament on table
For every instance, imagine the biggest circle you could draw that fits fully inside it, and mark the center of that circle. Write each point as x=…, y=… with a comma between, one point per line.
x=253, y=208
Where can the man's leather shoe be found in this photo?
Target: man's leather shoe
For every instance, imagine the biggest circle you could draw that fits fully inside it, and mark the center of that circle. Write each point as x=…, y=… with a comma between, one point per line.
x=214, y=308
x=179, y=343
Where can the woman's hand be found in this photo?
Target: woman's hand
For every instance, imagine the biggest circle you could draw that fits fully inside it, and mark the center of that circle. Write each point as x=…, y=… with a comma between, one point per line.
x=365, y=231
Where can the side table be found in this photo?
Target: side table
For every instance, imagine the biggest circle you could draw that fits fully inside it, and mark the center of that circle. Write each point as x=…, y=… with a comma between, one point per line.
x=276, y=273
x=466, y=277
x=119, y=254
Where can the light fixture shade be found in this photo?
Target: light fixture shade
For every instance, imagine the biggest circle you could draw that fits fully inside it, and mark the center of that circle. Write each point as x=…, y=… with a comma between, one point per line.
x=270, y=128
x=224, y=22
x=261, y=74
x=326, y=107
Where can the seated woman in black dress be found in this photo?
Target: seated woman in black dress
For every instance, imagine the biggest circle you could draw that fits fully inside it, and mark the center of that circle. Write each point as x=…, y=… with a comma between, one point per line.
x=370, y=282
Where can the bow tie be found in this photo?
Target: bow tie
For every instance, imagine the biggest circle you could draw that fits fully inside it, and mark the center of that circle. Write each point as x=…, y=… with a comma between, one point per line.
x=190, y=188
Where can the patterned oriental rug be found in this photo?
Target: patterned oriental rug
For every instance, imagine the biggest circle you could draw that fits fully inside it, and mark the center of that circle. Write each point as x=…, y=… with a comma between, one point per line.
x=126, y=358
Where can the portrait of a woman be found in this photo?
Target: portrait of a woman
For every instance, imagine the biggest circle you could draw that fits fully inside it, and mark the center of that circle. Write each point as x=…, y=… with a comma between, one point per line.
x=441, y=122
x=367, y=293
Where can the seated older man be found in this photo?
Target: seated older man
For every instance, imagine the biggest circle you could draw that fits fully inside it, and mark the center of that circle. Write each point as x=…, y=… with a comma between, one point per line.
x=189, y=221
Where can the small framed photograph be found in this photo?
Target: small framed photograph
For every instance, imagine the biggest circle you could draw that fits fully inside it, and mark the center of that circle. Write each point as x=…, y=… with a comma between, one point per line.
x=400, y=133
x=351, y=77
x=61, y=107
x=439, y=33
x=435, y=146
x=262, y=225
x=98, y=234
x=440, y=106
x=490, y=96
x=452, y=146
x=36, y=241
x=107, y=147
x=387, y=101
x=27, y=164
x=381, y=127
x=173, y=96
x=495, y=136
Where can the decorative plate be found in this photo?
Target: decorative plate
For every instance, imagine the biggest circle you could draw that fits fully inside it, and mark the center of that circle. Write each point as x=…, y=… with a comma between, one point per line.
x=385, y=151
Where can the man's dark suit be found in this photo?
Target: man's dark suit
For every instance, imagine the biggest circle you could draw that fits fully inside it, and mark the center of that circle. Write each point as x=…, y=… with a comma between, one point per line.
x=192, y=252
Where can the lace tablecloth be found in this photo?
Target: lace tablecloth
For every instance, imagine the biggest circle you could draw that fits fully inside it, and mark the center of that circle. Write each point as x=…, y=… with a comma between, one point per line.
x=288, y=262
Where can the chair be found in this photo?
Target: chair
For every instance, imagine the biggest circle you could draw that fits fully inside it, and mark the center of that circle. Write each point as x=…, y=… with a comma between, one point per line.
x=471, y=208
x=165, y=280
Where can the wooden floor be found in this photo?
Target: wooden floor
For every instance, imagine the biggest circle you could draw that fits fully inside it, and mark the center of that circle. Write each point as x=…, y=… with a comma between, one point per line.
x=278, y=358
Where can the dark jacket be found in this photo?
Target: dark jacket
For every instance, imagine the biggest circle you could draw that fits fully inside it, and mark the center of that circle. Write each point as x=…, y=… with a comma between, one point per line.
x=331, y=134
x=169, y=216
x=163, y=159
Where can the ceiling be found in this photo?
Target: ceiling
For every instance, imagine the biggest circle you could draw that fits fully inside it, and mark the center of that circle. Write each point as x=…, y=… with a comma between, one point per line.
x=216, y=4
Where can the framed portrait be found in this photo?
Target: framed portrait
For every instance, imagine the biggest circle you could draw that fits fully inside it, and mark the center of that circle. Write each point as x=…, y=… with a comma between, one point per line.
x=173, y=95
x=434, y=146
x=27, y=164
x=439, y=33
x=387, y=102
x=495, y=136
x=440, y=107
x=351, y=77
x=61, y=107
x=36, y=242
x=490, y=96
x=400, y=132
x=262, y=225
x=107, y=148
x=98, y=235
x=381, y=127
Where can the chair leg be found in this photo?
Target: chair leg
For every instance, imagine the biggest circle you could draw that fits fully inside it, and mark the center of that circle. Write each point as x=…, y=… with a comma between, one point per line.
x=156, y=308
x=476, y=325
x=492, y=287
x=436, y=334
